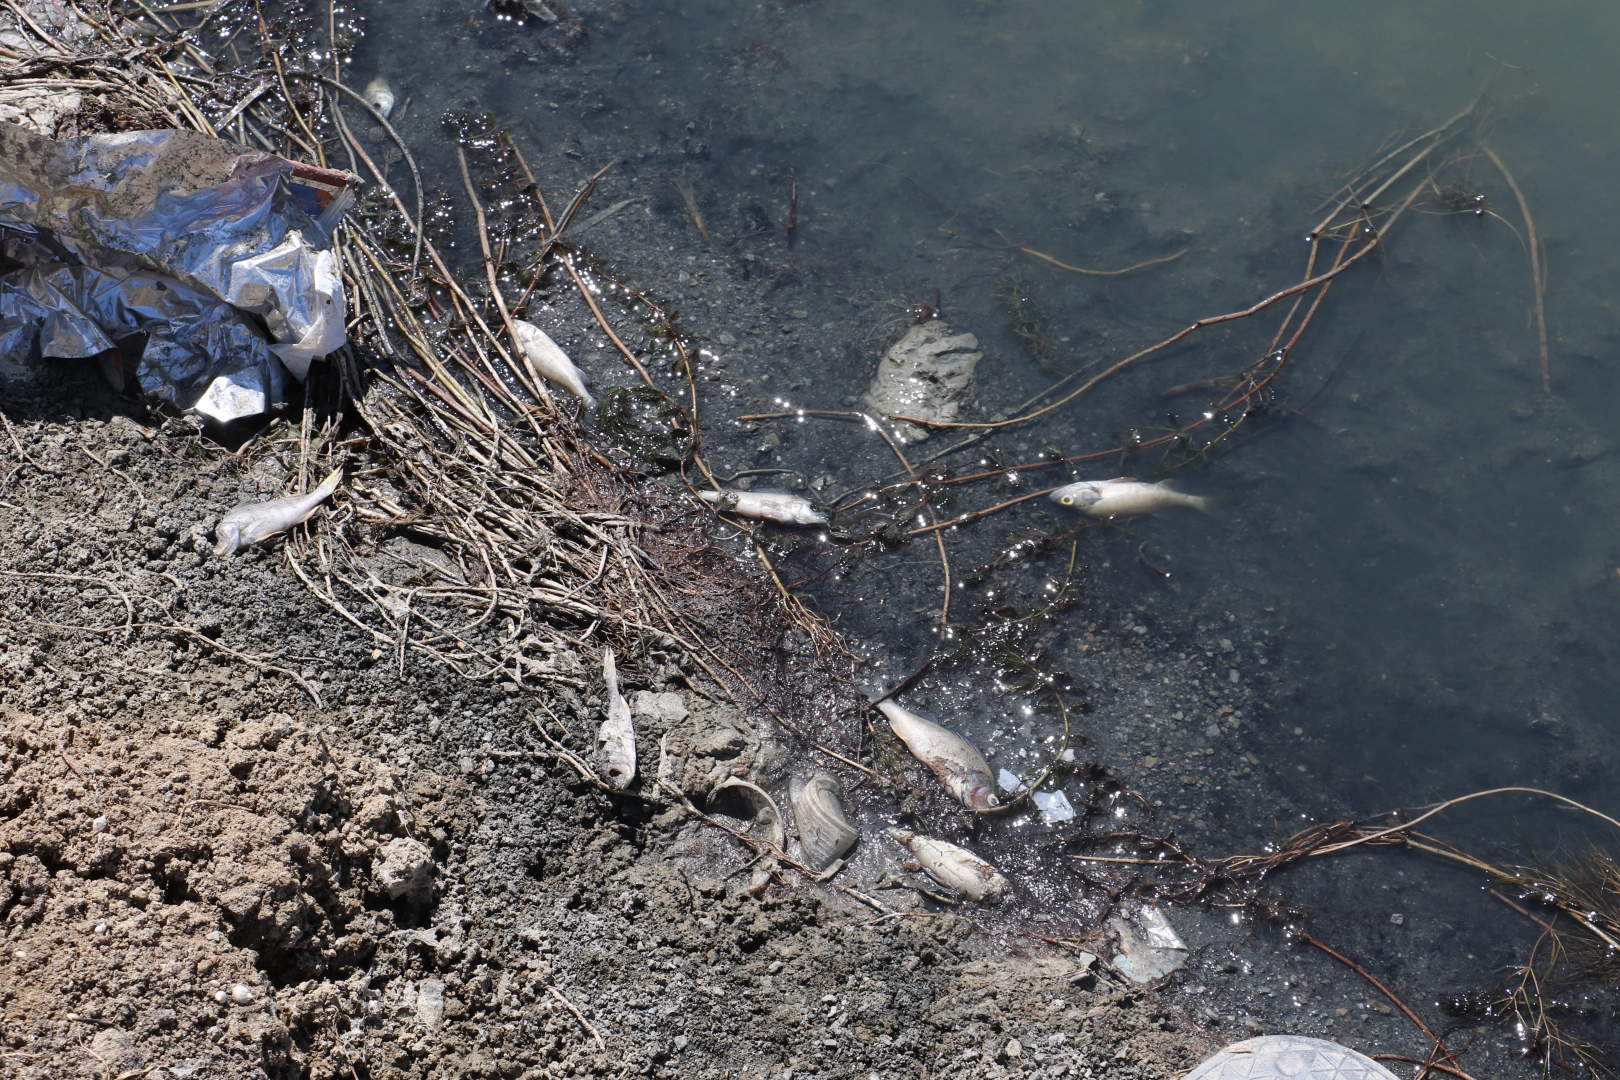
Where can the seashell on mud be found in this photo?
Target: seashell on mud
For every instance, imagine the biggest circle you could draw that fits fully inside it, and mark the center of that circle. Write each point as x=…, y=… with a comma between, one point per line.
x=380, y=96
x=764, y=807
x=824, y=831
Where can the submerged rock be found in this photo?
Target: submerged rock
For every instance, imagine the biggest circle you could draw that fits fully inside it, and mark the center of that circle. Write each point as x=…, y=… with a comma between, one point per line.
x=1149, y=947
x=925, y=374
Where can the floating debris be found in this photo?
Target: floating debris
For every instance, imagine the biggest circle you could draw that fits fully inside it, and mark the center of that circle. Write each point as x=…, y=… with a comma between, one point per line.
x=616, y=741
x=952, y=866
x=1124, y=497
x=925, y=374
x=960, y=767
x=248, y=523
x=824, y=831
x=774, y=506
x=1149, y=947
x=1054, y=806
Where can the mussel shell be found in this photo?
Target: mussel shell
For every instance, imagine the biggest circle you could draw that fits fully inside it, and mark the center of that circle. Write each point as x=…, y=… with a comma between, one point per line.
x=824, y=832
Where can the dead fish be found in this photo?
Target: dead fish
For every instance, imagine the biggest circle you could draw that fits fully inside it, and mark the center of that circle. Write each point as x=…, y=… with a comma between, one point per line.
x=250, y=522
x=960, y=767
x=824, y=831
x=1202, y=386
x=550, y=361
x=954, y=867
x=380, y=96
x=1124, y=497
x=616, y=741
x=775, y=506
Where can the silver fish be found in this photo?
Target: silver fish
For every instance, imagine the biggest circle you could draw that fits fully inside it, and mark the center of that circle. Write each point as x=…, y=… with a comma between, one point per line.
x=775, y=506
x=824, y=832
x=250, y=522
x=961, y=768
x=380, y=96
x=616, y=741
x=1123, y=497
x=550, y=361
x=954, y=867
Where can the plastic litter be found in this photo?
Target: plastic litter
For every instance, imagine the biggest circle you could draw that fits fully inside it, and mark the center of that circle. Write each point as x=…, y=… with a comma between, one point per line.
x=1274, y=1057
x=1149, y=947
x=1054, y=806
x=207, y=264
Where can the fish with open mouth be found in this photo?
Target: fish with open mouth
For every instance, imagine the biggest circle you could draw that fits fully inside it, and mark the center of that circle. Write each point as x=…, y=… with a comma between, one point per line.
x=248, y=523
x=961, y=768
x=616, y=739
x=1124, y=497
x=777, y=506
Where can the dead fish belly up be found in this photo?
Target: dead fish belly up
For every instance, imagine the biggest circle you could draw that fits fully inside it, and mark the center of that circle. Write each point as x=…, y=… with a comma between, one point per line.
x=954, y=867
x=1124, y=498
x=961, y=768
x=774, y=506
x=248, y=523
x=616, y=740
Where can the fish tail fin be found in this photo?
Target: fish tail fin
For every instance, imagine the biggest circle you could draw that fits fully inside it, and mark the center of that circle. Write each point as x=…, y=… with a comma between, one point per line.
x=330, y=484
x=610, y=675
x=1204, y=504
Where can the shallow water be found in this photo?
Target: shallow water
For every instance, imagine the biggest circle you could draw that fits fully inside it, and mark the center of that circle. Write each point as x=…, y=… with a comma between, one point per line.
x=1412, y=584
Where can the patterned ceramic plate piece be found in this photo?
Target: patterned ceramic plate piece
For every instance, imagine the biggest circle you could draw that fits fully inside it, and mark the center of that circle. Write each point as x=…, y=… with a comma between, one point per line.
x=1289, y=1057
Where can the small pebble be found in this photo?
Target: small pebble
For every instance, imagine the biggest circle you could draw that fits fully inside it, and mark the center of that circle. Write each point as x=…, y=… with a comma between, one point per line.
x=220, y=997
x=242, y=994
x=1015, y=1048
x=101, y=928
x=100, y=824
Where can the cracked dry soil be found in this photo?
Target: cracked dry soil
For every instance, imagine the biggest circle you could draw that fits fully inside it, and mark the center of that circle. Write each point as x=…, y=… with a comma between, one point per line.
x=205, y=873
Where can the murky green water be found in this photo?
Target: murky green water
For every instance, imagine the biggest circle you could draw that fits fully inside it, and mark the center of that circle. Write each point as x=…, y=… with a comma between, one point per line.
x=1412, y=587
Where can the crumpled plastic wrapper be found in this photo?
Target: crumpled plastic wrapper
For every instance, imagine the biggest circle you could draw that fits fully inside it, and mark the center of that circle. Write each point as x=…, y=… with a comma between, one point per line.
x=218, y=255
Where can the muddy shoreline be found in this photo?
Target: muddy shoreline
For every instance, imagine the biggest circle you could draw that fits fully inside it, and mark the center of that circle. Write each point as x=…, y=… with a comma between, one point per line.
x=207, y=874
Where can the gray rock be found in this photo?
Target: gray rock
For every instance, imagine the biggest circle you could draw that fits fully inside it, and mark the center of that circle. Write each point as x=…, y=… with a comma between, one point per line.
x=116, y=1048
x=406, y=869
x=666, y=708
x=1292, y=1056
x=925, y=374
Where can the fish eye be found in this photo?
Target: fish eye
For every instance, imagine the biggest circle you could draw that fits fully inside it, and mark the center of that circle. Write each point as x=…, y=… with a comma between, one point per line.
x=1068, y=500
